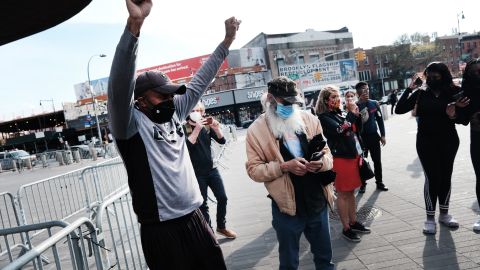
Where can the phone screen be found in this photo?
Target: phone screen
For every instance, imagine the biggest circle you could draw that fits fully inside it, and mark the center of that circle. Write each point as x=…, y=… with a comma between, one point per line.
x=209, y=120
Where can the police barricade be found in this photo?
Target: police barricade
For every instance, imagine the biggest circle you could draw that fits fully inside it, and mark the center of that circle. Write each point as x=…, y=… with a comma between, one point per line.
x=73, y=247
x=23, y=232
x=103, y=180
x=9, y=219
x=119, y=233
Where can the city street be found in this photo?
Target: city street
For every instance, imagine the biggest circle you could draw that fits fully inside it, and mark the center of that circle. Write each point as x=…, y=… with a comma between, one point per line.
x=396, y=217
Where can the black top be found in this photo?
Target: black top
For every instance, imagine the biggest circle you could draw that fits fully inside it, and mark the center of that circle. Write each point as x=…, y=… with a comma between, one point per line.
x=338, y=128
x=431, y=111
x=201, y=152
x=309, y=197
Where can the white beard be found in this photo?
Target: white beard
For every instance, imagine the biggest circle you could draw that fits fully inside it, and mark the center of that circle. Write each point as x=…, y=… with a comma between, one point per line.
x=279, y=127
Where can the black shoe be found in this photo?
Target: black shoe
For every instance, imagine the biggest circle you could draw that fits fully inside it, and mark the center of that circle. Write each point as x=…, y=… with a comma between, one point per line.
x=351, y=235
x=359, y=228
x=362, y=189
x=382, y=187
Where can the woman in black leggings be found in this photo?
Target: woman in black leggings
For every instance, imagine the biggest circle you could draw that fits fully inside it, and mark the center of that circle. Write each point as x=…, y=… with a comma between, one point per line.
x=437, y=139
x=469, y=112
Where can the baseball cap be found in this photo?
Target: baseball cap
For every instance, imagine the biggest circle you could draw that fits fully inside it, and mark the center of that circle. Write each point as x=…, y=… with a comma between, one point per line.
x=158, y=82
x=286, y=89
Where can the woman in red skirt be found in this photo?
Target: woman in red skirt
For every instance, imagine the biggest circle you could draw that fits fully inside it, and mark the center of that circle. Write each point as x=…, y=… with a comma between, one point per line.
x=341, y=129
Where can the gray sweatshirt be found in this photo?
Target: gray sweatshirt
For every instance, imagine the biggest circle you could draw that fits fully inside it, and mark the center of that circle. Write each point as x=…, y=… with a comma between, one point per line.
x=160, y=174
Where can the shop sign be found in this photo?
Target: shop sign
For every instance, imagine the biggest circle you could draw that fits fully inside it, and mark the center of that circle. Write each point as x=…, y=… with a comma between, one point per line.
x=211, y=101
x=255, y=95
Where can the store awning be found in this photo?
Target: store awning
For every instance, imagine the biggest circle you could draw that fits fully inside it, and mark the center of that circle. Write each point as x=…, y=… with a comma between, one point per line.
x=22, y=18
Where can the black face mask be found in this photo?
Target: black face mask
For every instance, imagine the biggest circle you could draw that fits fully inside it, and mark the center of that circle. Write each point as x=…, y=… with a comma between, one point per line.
x=434, y=83
x=162, y=112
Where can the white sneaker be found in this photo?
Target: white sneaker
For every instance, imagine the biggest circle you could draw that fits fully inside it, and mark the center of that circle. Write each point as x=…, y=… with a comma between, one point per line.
x=430, y=227
x=476, y=226
x=448, y=221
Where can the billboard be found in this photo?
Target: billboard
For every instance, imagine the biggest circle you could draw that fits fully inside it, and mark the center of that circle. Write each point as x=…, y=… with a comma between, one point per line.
x=313, y=76
x=99, y=87
x=183, y=68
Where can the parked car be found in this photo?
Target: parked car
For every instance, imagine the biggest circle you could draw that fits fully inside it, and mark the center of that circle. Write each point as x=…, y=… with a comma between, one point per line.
x=18, y=156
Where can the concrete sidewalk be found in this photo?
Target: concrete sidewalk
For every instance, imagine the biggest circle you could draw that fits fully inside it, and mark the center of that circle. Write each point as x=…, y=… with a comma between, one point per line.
x=396, y=217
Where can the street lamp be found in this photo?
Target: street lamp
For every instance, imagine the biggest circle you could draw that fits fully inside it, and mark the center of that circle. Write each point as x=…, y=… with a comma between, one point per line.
x=93, y=95
x=459, y=15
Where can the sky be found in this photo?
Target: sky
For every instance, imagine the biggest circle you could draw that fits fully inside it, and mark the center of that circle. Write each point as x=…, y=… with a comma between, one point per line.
x=47, y=65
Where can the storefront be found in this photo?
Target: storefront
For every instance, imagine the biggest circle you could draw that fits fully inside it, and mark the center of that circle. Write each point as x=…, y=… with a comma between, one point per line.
x=234, y=107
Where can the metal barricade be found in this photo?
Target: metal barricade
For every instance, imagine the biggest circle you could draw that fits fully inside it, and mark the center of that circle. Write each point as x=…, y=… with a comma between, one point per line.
x=23, y=232
x=119, y=233
x=78, y=243
x=103, y=180
x=9, y=219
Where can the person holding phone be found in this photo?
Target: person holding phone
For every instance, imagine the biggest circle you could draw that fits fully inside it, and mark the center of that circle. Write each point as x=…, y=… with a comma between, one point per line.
x=466, y=110
x=200, y=132
x=277, y=146
x=437, y=139
x=342, y=129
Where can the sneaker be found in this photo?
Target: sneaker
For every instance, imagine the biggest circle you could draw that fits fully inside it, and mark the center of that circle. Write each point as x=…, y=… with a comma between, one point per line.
x=382, y=187
x=430, y=227
x=362, y=189
x=448, y=221
x=227, y=233
x=359, y=228
x=351, y=235
x=476, y=226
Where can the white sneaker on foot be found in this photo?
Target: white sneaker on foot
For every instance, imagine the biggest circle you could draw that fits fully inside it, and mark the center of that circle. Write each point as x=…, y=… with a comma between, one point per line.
x=476, y=226
x=448, y=221
x=430, y=227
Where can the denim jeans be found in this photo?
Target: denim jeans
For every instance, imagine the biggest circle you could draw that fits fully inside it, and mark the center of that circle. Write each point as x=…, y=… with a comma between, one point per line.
x=215, y=182
x=316, y=230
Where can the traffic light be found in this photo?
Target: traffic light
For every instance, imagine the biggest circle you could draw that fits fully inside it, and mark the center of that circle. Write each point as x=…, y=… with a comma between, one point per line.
x=360, y=55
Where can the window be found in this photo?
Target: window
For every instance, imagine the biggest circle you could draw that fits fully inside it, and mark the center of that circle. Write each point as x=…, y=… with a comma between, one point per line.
x=328, y=57
x=346, y=55
x=382, y=73
x=364, y=75
x=386, y=58
x=280, y=62
x=300, y=59
x=366, y=61
x=314, y=58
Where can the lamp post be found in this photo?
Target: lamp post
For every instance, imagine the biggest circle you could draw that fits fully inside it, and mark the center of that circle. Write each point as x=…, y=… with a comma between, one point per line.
x=93, y=95
x=459, y=15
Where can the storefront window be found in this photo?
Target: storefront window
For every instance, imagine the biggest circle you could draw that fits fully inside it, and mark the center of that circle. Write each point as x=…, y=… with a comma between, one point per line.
x=250, y=112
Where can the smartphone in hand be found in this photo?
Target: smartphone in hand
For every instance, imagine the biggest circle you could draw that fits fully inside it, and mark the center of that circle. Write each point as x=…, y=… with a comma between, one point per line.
x=317, y=156
x=209, y=120
x=458, y=96
x=418, y=82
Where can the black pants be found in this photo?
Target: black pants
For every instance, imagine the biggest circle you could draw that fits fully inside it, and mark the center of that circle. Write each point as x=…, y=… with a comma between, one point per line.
x=392, y=108
x=372, y=144
x=184, y=243
x=215, y=182
x=437, y=154
x=475, y=154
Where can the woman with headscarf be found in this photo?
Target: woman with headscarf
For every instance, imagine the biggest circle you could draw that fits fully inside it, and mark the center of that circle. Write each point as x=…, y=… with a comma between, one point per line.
x=437, y=139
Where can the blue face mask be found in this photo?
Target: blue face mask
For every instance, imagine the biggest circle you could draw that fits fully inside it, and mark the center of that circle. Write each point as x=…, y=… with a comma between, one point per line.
x=284, y=111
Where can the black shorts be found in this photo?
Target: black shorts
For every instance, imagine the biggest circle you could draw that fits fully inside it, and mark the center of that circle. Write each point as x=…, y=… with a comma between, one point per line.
x=183, y=243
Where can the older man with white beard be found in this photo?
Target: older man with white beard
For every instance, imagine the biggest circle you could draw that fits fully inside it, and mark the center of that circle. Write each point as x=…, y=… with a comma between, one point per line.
x=277, y=145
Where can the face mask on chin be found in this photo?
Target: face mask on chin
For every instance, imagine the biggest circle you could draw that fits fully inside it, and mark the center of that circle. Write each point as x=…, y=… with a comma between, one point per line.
x=162, y=112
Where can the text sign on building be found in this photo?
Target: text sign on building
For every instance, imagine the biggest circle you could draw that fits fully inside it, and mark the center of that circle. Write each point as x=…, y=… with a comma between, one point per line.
x=249, y=94
x=217, y=100
x=183, y=68
x=320, y=73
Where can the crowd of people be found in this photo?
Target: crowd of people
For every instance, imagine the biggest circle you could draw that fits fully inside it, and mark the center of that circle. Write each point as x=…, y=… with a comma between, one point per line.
x=306, y=160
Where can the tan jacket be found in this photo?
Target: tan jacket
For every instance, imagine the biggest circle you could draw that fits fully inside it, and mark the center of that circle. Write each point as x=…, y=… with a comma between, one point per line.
x=264, y=159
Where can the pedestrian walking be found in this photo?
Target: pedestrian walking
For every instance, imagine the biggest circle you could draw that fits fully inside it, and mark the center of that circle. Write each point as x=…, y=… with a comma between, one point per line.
x=200, y=132
x=342, y=129
x=372, y=120
x=437, y=139
x=392, y=100
x=145, y=117
x=277, y=146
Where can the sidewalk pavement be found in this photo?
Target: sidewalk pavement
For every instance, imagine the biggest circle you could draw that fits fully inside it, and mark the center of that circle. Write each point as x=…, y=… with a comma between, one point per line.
x=396, y=217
